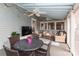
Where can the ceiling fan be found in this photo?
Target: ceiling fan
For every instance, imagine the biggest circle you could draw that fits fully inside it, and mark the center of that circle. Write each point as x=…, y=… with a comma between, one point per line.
x=34, y=12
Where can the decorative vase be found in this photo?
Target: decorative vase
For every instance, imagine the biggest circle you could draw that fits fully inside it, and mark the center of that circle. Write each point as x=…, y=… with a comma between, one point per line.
x=29, y=40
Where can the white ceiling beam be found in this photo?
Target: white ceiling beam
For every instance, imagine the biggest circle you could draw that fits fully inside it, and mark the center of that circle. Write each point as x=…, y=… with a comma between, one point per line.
x=48, y=8
x=45, y=4
x=51, y=10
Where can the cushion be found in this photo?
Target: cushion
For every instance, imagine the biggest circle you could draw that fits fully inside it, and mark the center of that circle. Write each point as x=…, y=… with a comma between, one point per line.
x=46, y=41
x=55, y=43
x=24, y=37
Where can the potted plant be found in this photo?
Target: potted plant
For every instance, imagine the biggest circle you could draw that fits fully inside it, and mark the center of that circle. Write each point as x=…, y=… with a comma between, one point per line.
x=14, y=34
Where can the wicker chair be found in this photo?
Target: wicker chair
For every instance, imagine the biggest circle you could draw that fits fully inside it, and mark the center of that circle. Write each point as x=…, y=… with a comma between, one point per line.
x=26, y=53
x=10, y=52
x=43, y=52
x=35, y=36
x=13, y=40
x=61, y=36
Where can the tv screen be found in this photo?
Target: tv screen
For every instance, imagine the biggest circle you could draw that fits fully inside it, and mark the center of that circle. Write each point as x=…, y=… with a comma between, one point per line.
x=26, y=30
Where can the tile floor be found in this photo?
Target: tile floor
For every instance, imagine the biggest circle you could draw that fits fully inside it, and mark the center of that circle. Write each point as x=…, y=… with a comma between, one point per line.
x=61, y=50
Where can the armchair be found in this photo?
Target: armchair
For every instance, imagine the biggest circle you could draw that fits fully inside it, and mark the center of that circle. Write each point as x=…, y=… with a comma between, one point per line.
x=61, y=36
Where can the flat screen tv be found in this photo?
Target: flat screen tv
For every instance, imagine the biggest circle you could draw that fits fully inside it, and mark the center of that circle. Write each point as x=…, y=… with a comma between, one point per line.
x=26, y=30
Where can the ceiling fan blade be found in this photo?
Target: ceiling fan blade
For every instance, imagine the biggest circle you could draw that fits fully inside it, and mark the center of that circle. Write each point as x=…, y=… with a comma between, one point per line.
x=31, y=14
x=38, y=15
x=28, y=13
x=42, y=12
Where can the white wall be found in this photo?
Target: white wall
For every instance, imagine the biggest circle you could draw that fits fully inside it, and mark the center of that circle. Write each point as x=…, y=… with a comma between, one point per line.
x=11, y=20
x=76, y=14
x=68, y=32
x=34, y=24
x=71, y=26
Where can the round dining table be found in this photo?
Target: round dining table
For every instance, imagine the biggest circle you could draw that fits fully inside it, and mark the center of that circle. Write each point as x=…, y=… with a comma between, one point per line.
x=23, y=45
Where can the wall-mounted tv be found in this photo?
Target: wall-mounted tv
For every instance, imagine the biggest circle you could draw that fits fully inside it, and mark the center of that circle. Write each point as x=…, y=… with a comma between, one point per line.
x=26, y=30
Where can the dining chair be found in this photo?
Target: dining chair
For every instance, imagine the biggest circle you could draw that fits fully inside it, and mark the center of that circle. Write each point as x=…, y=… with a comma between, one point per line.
x=43, y=52
x=10, y=52
x=13, y=40
x=26, y=53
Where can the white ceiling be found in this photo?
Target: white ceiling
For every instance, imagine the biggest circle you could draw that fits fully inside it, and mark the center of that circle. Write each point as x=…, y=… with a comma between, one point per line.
x=52, y=10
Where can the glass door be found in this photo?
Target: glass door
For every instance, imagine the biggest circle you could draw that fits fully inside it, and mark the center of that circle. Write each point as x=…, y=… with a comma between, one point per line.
x=42, y=26
x=51, y=26
x=46, y=25
x=59, y=25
